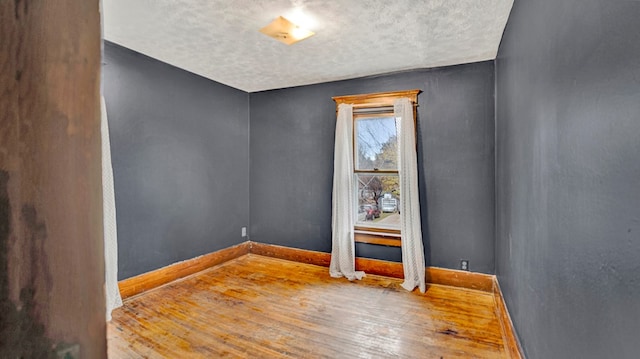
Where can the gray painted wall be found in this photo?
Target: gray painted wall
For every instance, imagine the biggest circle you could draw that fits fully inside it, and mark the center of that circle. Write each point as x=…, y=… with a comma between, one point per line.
x=568, y=180
x=179, y=145
x=292, y=140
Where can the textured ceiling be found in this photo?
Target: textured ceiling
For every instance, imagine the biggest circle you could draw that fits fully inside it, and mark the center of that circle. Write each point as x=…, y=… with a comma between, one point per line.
x=220, y=39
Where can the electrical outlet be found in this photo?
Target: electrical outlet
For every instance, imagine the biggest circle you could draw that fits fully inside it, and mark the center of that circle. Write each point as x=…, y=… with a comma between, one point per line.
x=464, y=264
x=244, y=231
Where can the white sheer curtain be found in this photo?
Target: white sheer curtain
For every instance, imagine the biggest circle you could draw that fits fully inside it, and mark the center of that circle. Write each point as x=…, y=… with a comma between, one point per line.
x=342, y=216
x=109, y=218
x=410, y=227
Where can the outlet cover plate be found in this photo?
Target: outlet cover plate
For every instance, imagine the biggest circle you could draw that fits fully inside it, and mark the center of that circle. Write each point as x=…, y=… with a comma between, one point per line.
x=464, y=264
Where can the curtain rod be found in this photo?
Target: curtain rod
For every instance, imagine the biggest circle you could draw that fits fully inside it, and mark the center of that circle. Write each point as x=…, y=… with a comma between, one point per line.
x=372, y=110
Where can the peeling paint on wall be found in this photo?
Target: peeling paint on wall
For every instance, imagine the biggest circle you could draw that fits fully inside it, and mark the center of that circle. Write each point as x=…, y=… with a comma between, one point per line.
x=22, y=335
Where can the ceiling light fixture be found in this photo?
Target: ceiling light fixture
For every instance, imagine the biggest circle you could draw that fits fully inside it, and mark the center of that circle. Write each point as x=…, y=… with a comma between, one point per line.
x=285, y=31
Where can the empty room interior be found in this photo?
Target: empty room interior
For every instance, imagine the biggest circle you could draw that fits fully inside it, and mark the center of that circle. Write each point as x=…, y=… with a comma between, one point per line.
x=357, y=179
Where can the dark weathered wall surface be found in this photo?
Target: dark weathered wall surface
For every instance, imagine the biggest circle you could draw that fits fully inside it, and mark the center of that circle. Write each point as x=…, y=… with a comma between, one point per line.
x=180, y=155
x=51, y=249
x=292, y=140
x=568, y=180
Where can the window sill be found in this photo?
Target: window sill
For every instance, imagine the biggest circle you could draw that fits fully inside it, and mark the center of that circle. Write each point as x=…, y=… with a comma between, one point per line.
x=383, y=239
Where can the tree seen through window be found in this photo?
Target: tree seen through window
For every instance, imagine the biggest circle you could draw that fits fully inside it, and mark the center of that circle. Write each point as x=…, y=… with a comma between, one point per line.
x=376, y=171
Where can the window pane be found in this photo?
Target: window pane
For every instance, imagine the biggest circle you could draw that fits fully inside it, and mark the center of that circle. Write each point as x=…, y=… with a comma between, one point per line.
x=378, y=199
x=376, y=143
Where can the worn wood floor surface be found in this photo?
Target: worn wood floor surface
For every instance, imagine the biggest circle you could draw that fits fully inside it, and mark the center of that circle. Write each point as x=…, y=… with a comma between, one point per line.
x=261, y=307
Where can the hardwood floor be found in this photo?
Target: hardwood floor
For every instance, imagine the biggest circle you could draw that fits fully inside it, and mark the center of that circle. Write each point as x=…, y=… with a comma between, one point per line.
x=261, y=307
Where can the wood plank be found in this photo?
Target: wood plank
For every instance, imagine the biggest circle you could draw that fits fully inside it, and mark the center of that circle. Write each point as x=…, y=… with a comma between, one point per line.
x=458, y=278
x=138, y=284
x=256, y=306
x=509, y=337
x=377, y=99
x=379, y=267
x=150, y=280
x=291, y=254
x=435, y=275
x=378, y=239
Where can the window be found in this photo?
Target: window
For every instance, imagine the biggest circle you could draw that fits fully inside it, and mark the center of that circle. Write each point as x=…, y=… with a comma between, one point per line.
x=376, y=171
x=377, y=194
